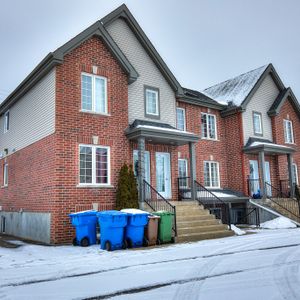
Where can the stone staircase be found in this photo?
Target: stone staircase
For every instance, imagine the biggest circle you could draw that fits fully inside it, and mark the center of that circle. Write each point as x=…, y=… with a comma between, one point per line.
x=284, y=206
x=194, y=223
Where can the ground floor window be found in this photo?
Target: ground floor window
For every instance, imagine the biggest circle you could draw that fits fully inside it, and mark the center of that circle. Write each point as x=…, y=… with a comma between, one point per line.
x=5, y=175
x=94, y=165
x=183, y=172
x=211, y=174
x=295, y=174
x=147, y=164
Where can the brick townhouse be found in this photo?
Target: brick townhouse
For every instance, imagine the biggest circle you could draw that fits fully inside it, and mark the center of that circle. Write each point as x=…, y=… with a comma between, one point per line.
x=106, y=98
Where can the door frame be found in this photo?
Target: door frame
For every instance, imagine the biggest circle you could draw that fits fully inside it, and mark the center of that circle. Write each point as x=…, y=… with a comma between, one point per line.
x=168, y=179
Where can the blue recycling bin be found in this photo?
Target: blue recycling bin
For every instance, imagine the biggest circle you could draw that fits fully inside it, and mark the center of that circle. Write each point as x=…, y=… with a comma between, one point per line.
x=134, y=231
x=85, y=224
x=112, y=224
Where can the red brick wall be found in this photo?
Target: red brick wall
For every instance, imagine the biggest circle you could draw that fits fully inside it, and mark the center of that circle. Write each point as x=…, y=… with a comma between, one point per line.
x=31, y=178
x=74, y=127
x=287, y=112
x=206, y=149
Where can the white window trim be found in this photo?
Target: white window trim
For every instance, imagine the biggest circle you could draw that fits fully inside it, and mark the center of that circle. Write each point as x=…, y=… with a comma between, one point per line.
x=156, y=102
x=260, y=122
x=285, y=122
x=186, y=168
x=184, y=121
x=6, y=122
x=108, y=184
x=5, y=175
x=296, y=173
x=207, y=127
x=93, y=110
x=210, y=172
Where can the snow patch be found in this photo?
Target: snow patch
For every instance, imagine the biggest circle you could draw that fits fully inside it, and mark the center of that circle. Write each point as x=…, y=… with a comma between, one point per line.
x=237, y=230
x=163, y=129
x=278, y=223
x=134, y=211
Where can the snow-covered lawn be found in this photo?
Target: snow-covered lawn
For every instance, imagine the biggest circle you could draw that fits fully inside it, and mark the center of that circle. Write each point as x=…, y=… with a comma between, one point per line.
x=262, y=265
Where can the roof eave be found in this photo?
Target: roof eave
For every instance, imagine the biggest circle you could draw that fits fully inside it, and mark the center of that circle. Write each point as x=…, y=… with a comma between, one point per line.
x=201, y=102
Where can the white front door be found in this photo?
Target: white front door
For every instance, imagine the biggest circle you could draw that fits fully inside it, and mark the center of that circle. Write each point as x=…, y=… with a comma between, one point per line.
x=268, y=178
x=163, y=174
x=254, y=177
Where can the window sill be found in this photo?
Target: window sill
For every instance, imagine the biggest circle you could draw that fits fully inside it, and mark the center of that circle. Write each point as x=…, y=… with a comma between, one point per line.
x=290, y=143
x=4, y=187
x=208, y=139
x=101, y=186
x=94, y=113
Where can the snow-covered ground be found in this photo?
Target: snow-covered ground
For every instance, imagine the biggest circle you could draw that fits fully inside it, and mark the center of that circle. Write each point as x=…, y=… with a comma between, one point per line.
x=262, y=265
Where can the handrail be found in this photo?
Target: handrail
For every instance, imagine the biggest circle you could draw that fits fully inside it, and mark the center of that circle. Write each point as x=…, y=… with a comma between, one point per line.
x=252, y=210
x=291, y=202
x=211, y=200
x=182, y=189
x=157, y=202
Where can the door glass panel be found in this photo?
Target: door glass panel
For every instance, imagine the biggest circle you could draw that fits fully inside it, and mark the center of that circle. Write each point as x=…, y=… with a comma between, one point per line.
x=136, y=164
x=254, y=177
x=160, y=173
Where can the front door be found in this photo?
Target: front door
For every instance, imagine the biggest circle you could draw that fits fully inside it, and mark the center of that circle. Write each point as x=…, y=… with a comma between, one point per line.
x=268, y=179
x=163, y=174
x=254, y=177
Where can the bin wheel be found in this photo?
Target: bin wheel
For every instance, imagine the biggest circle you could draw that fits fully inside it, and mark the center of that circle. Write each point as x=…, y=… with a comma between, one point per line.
x=107, y=246
x=124, y=245
x=74, y=242
x=145, y=242
x=129, y=243
x=84, y=242
x=173, y=240
x=98, y=242
x=158, y=242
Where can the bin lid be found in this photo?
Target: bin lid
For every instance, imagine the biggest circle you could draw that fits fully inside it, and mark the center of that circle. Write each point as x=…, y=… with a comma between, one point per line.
x=134, y=211
x=110, y=213
x=84, y=213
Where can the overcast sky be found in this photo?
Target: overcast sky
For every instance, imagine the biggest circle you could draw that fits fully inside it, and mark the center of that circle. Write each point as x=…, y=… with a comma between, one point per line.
x=202, y=41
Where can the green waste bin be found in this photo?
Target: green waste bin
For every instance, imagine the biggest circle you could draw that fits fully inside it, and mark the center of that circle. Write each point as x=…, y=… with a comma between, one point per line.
x=165, y=226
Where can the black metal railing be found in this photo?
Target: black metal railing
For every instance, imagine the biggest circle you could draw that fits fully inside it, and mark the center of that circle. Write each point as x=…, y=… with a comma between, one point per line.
x=254, y=188
x=283, y=201
x=213, y=203
x=184, y=188
x=157, y=202
x=247, y=216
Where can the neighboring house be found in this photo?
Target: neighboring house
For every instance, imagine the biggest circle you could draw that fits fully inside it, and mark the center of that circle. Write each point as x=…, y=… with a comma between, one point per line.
x=106, y=98
x=267, y=119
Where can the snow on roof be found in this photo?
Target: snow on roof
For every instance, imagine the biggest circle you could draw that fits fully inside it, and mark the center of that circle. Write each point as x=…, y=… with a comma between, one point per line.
x=236, y=89
x=254, y=144
x=163, y=129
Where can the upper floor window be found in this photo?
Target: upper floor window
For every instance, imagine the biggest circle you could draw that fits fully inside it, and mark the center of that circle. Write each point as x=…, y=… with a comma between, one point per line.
x=6, y=121
x=93, y=93
x=211, y=174
x=94, y=165
x=151, y=102
x=257, y=123
x=288, y=132
x=208, y=126
x=180, y=114
x=5, y=175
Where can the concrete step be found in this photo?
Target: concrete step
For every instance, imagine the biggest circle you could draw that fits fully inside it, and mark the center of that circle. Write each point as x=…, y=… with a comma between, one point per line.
x=192, y=212
x=185, y=224
x=194, y=217
x=204, y=236
x=200, y=229
x=184, y=203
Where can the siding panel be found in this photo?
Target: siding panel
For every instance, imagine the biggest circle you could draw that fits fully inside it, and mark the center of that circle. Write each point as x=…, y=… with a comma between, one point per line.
x=32, y=117
x=149, y=75
x=260, y=102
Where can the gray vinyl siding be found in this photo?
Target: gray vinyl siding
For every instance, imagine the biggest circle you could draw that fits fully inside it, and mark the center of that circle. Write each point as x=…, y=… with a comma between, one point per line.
x=260, y=102
x=32, y=117
x=149, y=75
